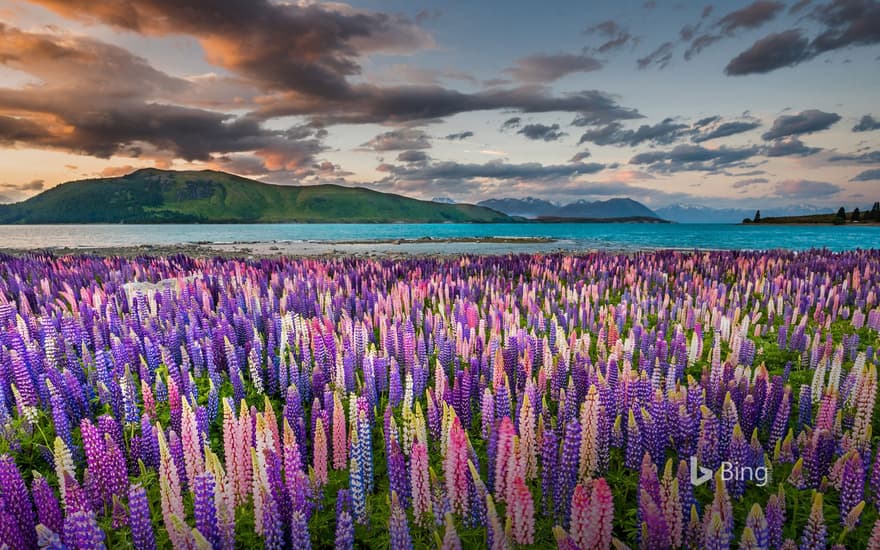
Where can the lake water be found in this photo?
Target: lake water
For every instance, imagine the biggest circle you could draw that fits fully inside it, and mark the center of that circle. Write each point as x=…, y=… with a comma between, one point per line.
x=567, y=236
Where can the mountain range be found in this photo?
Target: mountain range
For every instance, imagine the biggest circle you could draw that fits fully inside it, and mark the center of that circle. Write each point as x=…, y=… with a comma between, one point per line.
x=166, y=196
x=531, y=207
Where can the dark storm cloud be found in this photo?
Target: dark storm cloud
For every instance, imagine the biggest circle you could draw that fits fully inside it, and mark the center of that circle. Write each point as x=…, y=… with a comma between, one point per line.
x=790, y=147
x=750, y=17
x=687, y=157
x=459, y=136
x=659, y=57
x=398, y=140
x=806, y=122
x=844, y=23
x=541, y=68
x=867, y=175
x=866, y=124
x=542, y=132
x=413, y=156
x=725, y=129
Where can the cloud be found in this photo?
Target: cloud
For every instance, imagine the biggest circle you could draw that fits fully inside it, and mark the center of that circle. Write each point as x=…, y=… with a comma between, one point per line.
x=305, y=58
x=871, y=157
x=867, y=175
x=580, y=156
x=547, y=68
x=116, y=171
x=97, y=99
x=33, y=185
x=805, y=122
x=806, y=189
x=402, y=104
x=309, y=48
x=663, y=132
x=659, y=57
x=790, y=147
x=844, y=23
x=774, y=51
x=510, y=123
x=741, y=184
x=866, y=124
x=613, y=33
x=724, y=129
x=413, y=156
x=688, y=157
x=750, y=17
x=799, y=5
x=459, y=136
x=397, y=140
x=542, y=132
x=455, y=177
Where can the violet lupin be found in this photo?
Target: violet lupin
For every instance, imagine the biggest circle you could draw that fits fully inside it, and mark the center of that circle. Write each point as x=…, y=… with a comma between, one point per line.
x=139, y=520
x=815, y=532
x=398, y=526
x=344, y=521
x=48, y=509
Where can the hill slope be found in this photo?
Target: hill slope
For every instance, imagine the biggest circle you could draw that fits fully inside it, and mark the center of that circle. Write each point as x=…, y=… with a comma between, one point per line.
x=163, y=196
x=599, y=210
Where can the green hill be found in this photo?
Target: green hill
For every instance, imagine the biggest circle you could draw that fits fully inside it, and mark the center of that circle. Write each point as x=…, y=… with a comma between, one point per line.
x=163, y=196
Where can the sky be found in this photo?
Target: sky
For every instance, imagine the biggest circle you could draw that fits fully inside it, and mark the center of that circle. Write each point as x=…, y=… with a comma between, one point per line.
x=725, y=104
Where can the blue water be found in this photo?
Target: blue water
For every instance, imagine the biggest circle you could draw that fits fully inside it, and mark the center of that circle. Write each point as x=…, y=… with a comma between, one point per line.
x=568, y=236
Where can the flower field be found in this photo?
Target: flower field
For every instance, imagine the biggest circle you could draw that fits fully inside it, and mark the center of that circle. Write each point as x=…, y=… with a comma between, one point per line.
x=481, y=402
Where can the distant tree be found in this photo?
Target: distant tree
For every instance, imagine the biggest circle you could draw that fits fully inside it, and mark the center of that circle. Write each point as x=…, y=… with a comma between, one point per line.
x=856, y=215
x=841, y=213
x=757, y=216
x=875, y=211
x=747, y=220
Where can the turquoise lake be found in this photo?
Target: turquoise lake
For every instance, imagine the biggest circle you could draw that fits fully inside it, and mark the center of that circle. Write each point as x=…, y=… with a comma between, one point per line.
x=567, y=236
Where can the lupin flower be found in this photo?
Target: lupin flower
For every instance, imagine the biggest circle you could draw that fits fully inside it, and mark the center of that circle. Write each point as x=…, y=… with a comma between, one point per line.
x=204, y=508
x=344, y=521
x=398, y=526
x=340, y=441
x=48, y=509
x=852, y=484
x=319, y=457
x=171, y=498
x=420, y=482
x=522, y=513
x=81, y=531
x=450, y=536
x=455, y=468
x=815, y=532
x=140, y=522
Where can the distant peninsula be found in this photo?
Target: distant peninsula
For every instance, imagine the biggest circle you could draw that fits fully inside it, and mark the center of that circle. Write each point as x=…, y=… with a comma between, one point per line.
x=841, y=217
x=154, y=196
